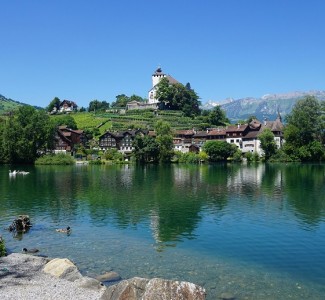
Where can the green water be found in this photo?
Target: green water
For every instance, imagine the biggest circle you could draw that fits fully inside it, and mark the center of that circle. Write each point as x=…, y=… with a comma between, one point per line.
x=257, y=231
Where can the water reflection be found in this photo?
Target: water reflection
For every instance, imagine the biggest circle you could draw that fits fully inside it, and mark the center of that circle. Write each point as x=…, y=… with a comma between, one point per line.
x=264, y=214
x=171, y=198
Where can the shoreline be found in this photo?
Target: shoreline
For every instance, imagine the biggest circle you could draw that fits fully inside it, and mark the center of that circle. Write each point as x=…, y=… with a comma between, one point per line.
x=37, y=278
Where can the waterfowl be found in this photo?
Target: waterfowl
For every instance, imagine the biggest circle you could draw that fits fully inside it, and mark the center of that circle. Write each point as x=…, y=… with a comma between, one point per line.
x=12, y=173
x=25, y=250
x=64, y=230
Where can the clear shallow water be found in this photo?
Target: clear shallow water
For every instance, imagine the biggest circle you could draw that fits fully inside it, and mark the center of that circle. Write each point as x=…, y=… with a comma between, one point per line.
x=254, y=231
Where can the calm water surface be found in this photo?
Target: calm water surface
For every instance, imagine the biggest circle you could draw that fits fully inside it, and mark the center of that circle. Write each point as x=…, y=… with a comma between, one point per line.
x=257, y=231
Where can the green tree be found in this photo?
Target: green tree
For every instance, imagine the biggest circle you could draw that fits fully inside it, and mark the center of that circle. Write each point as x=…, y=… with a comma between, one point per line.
x=146, y=149
x=178, y=97
x=26, y=135
x=66, y=120
x=137, y=98
x=54, y=103
x=306, y=115
x=121, y=101
x=165, y=140
x=218, y=117
x=96, y=105
x=268, y=144
x=219, y=150
x=304, y=134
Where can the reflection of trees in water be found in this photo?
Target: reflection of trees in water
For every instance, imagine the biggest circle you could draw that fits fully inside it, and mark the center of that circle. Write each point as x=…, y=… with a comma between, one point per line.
x=272, y=181
x=305, y=189
x=171, y=198
x=48, y=189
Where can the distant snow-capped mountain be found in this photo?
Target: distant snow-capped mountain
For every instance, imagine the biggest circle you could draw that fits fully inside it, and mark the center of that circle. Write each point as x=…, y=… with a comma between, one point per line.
x=265, y=107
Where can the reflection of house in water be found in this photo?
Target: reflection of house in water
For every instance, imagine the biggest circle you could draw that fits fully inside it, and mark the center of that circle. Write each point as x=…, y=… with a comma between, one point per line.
x=126, y=176
x=246, y=176
x=256, y=179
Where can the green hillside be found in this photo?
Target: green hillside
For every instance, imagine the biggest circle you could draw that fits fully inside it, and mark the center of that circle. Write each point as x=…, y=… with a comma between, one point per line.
x=7, y=105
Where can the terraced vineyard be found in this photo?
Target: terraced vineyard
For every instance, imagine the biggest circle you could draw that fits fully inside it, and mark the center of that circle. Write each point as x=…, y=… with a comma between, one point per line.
x=133, y=119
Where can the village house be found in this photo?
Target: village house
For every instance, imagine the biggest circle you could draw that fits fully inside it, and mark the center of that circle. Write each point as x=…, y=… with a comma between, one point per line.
x=245, y=137
x=66, y=140
x=65, y=106
x=251, y=143
x=121, y=140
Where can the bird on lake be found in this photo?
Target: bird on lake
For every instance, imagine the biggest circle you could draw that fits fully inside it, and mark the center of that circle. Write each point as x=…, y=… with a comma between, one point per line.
x=25, y=250
x=64, y=230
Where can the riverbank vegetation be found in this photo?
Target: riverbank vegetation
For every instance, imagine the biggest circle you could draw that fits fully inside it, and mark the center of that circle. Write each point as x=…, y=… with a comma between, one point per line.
x=55, y=159
x=2, y=247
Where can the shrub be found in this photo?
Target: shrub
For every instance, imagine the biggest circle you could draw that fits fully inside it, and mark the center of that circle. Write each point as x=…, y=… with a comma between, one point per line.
x=237, y=157
x=249, y=156
x=189, y=157
x=55, y=159
x=2, y=247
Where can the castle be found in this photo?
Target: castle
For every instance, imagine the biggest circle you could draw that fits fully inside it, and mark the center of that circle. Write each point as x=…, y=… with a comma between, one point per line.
x=152, y=100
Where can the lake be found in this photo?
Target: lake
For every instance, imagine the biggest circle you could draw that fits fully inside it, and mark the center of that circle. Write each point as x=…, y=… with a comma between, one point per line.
x=255, y=231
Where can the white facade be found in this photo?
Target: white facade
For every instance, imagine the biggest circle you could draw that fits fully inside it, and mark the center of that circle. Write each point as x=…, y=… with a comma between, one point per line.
x=156, y=77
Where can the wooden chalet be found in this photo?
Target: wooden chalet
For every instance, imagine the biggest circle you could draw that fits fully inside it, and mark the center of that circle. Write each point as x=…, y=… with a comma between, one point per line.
x=67, y=106
x=66, y=139
x=120, y=140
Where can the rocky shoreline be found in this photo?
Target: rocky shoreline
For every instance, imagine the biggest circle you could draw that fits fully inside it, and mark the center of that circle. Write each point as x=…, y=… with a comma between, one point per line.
x=24, y=276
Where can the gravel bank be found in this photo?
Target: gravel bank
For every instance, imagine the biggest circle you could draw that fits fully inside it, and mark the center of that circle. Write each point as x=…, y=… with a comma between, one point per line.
x=22, y=277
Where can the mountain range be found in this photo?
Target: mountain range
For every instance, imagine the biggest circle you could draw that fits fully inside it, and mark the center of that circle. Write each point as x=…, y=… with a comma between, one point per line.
x=266, y=107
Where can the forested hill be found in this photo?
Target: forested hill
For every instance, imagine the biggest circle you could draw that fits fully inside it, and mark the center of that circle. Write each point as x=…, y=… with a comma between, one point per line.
x=7, y=104
x=266, y=107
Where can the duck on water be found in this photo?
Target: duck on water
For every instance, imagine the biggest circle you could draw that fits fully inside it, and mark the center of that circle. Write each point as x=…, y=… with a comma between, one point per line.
x=64, y=230
x=25, y=250
x=14, y=173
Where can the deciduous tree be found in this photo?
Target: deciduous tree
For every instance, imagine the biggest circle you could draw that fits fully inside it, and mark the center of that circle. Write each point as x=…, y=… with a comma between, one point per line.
x=165, y=140
x=268, y=144
x=178, y=97
x=146, y=149
x=305, y=132
x=219, y=150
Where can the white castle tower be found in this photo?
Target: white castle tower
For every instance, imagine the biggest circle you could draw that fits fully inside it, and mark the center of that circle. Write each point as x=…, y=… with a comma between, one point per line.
x=156, y=77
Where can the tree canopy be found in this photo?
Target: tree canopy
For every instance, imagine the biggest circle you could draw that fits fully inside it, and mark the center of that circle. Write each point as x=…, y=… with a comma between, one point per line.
x=54, y=103
x=66, y=120
x=219, y=150
x=178, y=97
x=122, y=100
x=268, y=144
x=96, y=105
x=218, y=117
x=304, y=133
x=25, y=136
x=146, y=149
x=165, y=140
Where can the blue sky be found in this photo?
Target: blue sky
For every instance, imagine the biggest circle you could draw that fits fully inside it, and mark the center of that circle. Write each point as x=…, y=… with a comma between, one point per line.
x=85, y=50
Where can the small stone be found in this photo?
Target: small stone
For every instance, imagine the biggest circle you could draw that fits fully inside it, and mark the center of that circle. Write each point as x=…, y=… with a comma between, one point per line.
x=227, y=296
x=109, y=276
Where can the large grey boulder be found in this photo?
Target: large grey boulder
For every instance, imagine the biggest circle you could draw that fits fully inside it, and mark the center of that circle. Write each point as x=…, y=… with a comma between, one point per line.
x=62, y=268
x=154, y=289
